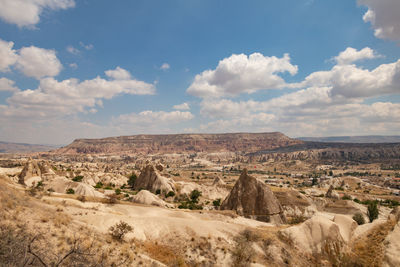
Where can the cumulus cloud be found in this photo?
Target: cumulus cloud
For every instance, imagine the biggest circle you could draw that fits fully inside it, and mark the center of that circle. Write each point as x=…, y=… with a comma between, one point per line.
x=118, y=74
x=7, y=85
x=56, y=98
x=242, y=74
x=326, y=102
x=384, y=17
x=165, y=66
x=38, y=62
x=26, y=13
x=351, y=55
x=8, y=55
x=73, y=65
x=352, y=81
x=183, y=106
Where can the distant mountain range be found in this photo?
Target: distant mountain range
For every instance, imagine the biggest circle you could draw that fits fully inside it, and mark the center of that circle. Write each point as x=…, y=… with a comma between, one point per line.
x=354, y=139
x=6, y=147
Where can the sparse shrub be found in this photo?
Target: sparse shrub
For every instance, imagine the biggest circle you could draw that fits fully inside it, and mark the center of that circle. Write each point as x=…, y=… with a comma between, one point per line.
x=303, y=192
x=170, y=194
x=99, y=185
x=132, y=180
x=108, y=187
x=70, y=191
x=77, y=178
x=119, y=230
x=373, y=211
x=81, y=198
x=357, y=200
x=117, y=191
x=359, y=218
x=68, y=169
x=40, y=184
x=346, y=197
x=158, y=191
x=217, y=202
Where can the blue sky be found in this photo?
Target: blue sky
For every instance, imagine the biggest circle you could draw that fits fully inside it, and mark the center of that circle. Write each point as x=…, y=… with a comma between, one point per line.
x=94, y=68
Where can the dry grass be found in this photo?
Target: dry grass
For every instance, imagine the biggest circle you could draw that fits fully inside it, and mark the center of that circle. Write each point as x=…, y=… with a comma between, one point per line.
x=369, y=250
x=163, y=253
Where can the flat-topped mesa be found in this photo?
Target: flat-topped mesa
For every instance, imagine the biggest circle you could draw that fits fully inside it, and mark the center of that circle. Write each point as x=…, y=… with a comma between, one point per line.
x=175, y=143
x=253, y=199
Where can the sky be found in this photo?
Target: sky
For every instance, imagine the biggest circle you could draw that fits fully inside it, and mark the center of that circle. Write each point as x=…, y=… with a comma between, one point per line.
x=96, y=68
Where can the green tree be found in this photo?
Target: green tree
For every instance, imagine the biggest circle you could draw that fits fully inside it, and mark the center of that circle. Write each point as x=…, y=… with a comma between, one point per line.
x=373, y=211
x=132, y=180
x=194, y=196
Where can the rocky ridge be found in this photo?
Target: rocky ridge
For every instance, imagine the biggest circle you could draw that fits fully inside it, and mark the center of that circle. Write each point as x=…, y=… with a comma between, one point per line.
x=180, y=143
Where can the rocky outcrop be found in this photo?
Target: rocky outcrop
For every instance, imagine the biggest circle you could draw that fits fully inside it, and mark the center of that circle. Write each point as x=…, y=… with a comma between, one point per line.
x=34, y=172
x=218, y=181
x=252, y=198
x=174, y=143
x=150, y=179
x=319, y=235
x=31, y=169
x=147, y=198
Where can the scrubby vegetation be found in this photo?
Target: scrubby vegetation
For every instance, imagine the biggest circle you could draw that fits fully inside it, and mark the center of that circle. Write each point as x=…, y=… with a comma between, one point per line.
x=119, y=230
x=359, y=218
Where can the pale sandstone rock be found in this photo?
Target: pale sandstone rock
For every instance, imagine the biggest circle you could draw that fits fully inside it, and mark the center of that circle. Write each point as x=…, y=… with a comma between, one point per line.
x=252, y=198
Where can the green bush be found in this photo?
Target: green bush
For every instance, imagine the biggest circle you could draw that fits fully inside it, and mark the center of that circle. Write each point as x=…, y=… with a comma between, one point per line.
x=77, y=178
x=194, y=196
x=217, y=202
x=70, y=191
x=158, y=191
x=359, y=218
x=117, y=191
x=373, y=211
x=99, y=185
x=170, y=194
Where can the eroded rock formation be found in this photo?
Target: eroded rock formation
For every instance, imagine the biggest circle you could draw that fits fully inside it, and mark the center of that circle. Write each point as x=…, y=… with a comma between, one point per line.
x=151, y=180
x=252, y=198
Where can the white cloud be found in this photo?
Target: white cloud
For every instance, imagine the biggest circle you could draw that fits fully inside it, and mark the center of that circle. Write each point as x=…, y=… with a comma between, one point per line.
x=7, y=85
x=149, y=117
x=118, y=74
x=25, y=13
x=242, y=74
x=151, y=121
x=8, y=55
x=73, y=65
x=165, y=66
x=38, y=62
x=183, y=106
x=352, y=81
x=53, y=98
x=351, y=55
x=384, y=17
x=72, y=50
x=325, y=103
x=86, y=46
